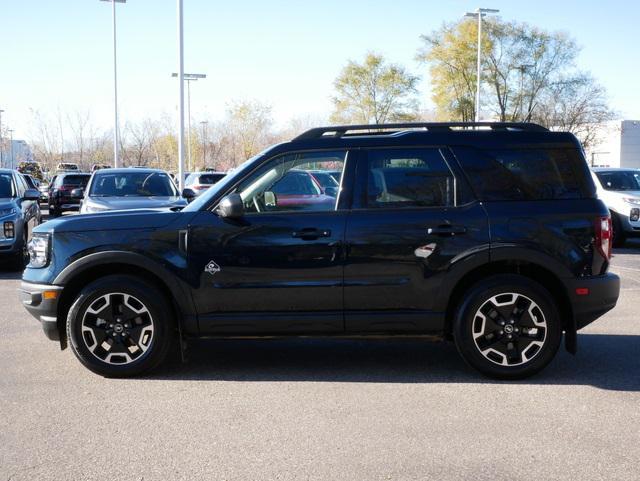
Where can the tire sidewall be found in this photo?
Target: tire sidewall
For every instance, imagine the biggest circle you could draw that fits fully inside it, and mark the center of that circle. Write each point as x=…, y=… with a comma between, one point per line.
x=482, y=292
x=153, y=301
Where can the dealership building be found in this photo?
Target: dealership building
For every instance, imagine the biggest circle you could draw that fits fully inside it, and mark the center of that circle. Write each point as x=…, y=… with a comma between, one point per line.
x=617, y=146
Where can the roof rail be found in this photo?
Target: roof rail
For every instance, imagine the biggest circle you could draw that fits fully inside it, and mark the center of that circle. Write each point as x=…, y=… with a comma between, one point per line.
x=373, y=129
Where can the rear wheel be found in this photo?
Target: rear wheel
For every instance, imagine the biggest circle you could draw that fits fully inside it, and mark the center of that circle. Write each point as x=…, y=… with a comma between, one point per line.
x=120, y=326
x=508, y=327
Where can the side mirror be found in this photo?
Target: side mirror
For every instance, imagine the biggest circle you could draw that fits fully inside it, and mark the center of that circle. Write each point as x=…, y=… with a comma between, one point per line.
x=31, y=194
x=77, y=194
x=331, y=191
x=231, y=207
x=188, y=194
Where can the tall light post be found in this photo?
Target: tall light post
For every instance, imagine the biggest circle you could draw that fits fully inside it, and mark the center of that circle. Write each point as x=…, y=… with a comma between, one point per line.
x=1, y=144
x=180, y=97
x=480, y=12
x=189, y=77
x=11, y=134
x=204, y=142
x=115, y=83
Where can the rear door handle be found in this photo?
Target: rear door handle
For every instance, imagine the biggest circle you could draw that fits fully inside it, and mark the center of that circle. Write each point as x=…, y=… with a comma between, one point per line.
x=447, y=230
x=311, y=233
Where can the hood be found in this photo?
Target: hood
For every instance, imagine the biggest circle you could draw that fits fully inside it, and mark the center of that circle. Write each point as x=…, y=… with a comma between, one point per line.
x=127, y=203
x=116, y=220
x=7, y=202
x=624, y=193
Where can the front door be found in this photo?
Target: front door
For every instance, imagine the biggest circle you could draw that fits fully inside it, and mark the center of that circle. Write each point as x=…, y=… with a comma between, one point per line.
x=279, y=268
x=413, y=221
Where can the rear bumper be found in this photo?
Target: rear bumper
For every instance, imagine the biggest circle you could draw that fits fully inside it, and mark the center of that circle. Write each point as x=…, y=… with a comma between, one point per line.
x=603, y=293
x=44, y=307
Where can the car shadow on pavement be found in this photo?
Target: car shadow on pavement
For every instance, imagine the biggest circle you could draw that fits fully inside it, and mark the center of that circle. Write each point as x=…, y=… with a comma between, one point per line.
x=7, y=273
x=603, y=361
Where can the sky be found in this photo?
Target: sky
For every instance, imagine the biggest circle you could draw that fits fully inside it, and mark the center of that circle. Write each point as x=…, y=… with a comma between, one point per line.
x=57, y=55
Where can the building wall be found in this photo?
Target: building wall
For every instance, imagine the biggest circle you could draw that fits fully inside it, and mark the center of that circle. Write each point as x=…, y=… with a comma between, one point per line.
x=21, y=152
x=630, y=144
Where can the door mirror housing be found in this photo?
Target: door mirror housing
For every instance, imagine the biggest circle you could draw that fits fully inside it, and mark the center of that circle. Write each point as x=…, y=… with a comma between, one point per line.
x=188, y=194
x=31, y=194
x=77, y=194
x=231, y=207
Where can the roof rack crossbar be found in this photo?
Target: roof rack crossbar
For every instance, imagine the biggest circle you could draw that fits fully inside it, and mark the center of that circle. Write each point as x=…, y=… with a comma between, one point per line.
x=342, y=130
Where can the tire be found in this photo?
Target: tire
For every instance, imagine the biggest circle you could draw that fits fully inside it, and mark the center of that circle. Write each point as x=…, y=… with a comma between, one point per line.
x=619, y=236
x=21, y=257
x=483, y=341
x=138, y=343
x=53, y=212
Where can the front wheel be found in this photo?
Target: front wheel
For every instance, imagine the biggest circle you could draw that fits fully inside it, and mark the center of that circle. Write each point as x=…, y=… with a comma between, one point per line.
x=507, y=327
x=120, y=326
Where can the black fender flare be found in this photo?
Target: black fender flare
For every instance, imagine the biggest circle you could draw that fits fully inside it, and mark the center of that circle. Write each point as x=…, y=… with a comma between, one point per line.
x=180, y=293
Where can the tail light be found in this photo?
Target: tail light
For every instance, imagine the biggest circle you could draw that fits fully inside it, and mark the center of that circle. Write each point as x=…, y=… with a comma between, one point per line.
x=201, y=187
x=604, y=236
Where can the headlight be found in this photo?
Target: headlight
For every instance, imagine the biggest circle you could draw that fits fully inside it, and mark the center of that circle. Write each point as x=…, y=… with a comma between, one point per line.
x=38, y=248
x=632, y=200
x=9, y=211
x=92, y=209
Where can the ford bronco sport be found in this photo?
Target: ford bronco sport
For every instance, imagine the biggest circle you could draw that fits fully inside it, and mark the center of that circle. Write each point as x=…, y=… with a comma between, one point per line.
x=489, y=234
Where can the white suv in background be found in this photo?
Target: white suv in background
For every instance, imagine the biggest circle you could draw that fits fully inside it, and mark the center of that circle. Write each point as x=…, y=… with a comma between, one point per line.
x=619, y=189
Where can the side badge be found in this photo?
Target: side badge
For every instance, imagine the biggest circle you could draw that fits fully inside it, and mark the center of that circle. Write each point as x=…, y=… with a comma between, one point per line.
x=212, y=268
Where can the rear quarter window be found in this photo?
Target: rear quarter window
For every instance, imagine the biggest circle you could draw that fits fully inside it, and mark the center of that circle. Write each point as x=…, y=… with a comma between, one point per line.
x=526, y=174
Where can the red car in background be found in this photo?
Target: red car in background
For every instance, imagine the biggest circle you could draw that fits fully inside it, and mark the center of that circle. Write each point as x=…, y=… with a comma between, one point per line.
x=300, y=188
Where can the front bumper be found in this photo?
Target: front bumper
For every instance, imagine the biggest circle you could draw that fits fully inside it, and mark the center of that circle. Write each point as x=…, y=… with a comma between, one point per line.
x=603, y=293
x=41, y=300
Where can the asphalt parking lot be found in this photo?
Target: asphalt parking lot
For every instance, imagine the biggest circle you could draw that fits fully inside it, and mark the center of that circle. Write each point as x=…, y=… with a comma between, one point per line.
x=317, y=409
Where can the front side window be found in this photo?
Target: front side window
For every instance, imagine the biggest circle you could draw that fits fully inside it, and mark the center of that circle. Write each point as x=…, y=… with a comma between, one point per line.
x=132, y=184
x=288, y=183
x=408, y=178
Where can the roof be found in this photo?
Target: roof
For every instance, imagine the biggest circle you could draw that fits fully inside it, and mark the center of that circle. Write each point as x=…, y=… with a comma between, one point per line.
x=474, y=134
x=614, y=169
x=124, y=170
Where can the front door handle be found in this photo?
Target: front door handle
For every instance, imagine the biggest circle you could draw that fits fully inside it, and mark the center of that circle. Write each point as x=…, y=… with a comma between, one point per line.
x=447, y=230
x=311, y=233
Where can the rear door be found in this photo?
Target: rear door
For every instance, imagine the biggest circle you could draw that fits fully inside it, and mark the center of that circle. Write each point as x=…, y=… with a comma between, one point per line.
x=413, y=220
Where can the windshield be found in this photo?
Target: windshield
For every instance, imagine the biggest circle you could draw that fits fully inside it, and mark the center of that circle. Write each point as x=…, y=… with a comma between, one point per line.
x=6, y=186
x=620, y=181
x=227, y=180
x=132, y=184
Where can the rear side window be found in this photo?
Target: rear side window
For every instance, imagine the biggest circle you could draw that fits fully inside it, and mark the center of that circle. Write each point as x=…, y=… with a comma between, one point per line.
x=526, y=174
x=409, y=178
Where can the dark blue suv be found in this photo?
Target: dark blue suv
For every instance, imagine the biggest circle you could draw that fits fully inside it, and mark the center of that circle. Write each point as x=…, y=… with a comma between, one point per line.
x=489, y=234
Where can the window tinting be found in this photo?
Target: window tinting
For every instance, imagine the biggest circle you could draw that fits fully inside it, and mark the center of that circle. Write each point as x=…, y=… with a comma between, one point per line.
x=210, y=179
x=73, y=180
x=525, y=174
x=409, y=178
x=620, y=181
x=6, y=186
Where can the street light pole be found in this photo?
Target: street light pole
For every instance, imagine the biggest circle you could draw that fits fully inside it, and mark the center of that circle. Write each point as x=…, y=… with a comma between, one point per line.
x=480, y=12
x=11, y=134
x=180, y=76
x=115, y=84
x=1, y=144
x=204, y=143
x=189, y=77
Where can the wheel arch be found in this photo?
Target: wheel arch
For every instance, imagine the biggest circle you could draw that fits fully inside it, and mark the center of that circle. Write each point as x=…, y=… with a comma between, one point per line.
x=533, y=271
x=90, y=268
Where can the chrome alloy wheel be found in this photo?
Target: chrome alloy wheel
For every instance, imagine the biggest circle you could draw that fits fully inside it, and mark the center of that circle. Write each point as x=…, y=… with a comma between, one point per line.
x=509, y=329
x=117, y=328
